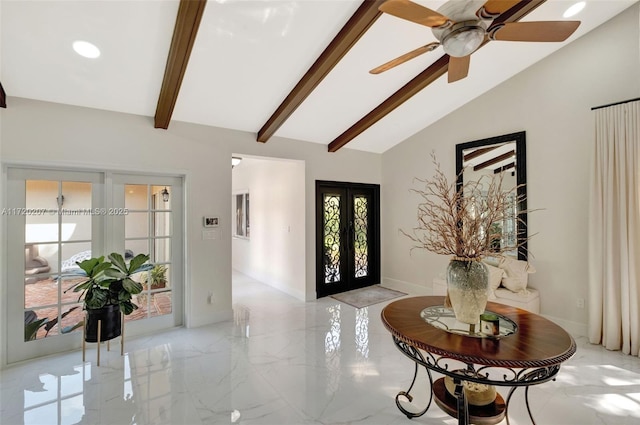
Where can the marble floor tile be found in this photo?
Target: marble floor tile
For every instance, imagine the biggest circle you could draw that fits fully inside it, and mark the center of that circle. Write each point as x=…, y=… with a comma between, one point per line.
x=282, y=361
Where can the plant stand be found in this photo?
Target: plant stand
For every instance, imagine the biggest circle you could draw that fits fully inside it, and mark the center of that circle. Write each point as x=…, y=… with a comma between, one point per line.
x=84, y=341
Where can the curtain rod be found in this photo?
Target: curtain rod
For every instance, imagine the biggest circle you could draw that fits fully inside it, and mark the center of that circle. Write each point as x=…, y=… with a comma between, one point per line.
x=615, y=103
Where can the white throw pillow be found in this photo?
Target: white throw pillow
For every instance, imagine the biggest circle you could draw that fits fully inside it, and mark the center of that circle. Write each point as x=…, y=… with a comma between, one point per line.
x=516, y=274
x=495, y=278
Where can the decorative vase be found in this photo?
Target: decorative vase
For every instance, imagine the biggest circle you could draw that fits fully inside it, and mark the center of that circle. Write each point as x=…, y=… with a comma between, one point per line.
x=467, y=286
x=110, y=319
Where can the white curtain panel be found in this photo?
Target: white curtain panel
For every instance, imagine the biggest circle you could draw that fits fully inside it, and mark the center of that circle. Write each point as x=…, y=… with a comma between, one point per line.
x=614, y=230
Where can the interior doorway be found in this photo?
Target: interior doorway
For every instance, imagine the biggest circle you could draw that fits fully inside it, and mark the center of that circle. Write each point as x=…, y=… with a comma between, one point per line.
x=347, y=236
x=268, y=224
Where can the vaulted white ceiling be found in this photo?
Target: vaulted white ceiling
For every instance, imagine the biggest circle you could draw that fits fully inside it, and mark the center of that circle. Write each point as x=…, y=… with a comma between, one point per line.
x=247, y=57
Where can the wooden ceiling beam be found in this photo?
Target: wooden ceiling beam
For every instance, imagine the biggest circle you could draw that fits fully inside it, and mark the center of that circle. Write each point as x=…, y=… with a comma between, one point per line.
x=495, y=160
x=426, y=77
x=504, y=168
x=184, y=35
x=422, y=80
x=478, y=152
x=350, y=33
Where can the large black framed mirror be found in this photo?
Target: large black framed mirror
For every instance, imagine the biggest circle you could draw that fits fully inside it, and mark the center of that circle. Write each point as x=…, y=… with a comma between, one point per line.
x=501, y=154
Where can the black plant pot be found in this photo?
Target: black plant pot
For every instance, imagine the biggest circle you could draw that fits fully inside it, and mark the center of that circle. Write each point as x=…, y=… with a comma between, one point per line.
x=111, y=323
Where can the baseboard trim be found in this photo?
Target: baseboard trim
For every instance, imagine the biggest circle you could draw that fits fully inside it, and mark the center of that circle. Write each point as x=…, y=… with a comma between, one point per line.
x=407, y=287
x=575, y=329
x=211, y=318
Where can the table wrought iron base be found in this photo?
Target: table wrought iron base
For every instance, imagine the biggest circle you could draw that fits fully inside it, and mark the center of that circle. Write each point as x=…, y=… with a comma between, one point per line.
x=483, y=374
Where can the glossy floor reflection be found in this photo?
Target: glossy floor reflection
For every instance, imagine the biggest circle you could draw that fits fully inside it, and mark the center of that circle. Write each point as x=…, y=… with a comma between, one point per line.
x=282, y=361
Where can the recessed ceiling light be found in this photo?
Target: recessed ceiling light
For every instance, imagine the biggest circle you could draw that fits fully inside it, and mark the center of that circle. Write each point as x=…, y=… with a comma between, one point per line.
x=86, y=49
x=574, y=9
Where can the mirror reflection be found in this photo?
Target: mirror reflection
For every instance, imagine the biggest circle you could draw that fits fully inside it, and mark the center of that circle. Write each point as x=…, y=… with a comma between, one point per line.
x=501, y=154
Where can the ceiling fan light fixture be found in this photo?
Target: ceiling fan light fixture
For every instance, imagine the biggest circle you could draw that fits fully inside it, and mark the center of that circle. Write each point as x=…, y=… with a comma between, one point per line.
x=574, y=9
x=463, y=41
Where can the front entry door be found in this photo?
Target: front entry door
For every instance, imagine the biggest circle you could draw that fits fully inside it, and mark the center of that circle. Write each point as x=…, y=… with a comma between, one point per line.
x=347, y=236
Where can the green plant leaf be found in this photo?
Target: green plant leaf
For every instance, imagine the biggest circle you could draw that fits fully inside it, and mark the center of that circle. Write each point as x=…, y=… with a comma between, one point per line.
x=114, y=274
x=90, y=264
x=137, y=264
x=101, y=267
x=96, y=299
x=82, y=285
x=131, y=286
x=31, y=329
x=119, y=262
x=127, y=307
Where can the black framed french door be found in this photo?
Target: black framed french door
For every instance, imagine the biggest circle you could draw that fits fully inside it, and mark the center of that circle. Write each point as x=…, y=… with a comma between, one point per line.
x=347, y=236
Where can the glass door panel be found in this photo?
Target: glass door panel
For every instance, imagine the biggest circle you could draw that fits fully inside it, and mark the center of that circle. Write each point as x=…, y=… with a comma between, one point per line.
x=76, y=211
x=361, y=235
x=54, y=224
x=137, y=246
x=41, y=222
x=161, y=223
x=160, y=303
x=137, y=224
x=135, y=197
x=331, y=236
x=149, y=228
x=162, y=250
x=58, y=232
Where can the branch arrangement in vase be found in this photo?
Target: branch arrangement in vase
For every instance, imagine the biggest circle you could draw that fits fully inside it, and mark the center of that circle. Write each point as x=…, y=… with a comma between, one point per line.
x=461, y=221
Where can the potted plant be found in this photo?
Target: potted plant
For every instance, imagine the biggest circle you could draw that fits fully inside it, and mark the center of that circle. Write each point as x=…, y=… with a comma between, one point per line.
x=459, y=222
x=155, y=278
x=107, y=292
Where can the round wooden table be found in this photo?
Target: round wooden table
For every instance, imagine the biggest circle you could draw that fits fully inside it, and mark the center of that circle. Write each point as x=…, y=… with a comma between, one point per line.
x=529, y=356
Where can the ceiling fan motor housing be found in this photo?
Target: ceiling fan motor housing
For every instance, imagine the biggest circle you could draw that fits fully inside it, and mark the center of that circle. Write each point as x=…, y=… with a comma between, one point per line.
x=462, y=38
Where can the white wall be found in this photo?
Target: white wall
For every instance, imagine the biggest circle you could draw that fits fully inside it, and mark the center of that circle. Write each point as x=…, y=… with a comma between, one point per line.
x=3, y=262
x=275, y=252
x=551, y=101
x=51, y=134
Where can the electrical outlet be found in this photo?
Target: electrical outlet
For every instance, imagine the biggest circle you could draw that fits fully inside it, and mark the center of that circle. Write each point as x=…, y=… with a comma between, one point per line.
x=580, y=303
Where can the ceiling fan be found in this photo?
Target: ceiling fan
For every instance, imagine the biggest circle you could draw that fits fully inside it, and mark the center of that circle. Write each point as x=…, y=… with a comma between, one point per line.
x=461, y=27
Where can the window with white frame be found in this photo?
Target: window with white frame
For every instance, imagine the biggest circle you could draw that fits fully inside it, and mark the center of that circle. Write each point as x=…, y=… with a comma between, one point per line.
x=241, y=204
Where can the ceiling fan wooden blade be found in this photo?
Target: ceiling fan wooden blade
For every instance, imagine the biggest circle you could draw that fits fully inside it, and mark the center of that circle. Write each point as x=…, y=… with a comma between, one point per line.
x=535, y=31
x=497, y=7
x=458, y=68
x=404, y=58
x=413, y=12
